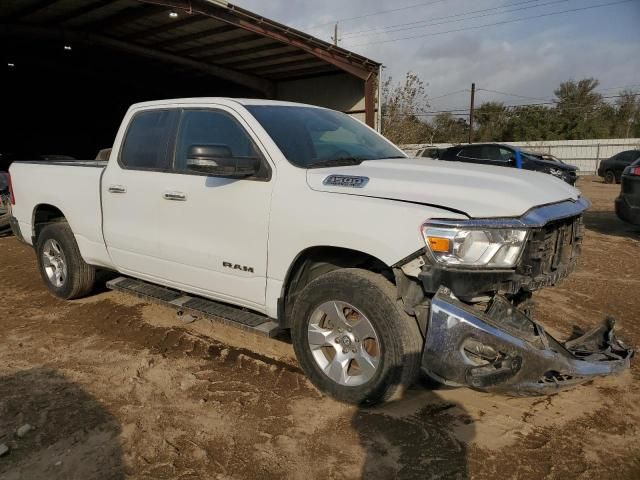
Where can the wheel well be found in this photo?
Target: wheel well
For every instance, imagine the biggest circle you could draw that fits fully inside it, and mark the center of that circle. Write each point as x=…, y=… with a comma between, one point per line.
x=44, y=214
x=316, y=261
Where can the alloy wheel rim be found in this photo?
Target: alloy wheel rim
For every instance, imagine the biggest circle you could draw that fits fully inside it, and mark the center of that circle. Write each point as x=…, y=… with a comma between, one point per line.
x=344, y=344
x=54, y=263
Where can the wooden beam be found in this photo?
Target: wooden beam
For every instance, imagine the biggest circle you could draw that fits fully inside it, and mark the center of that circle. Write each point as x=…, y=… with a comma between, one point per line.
x=370, y=100
x=165, y=27
x=126, y=15
x=251, y=81
x=245, y=51
x=306, y=72
x=76, y=12
x=29, y=10
x=218, y=45
x=268, y=69
x=191, y=37
x=258, y=61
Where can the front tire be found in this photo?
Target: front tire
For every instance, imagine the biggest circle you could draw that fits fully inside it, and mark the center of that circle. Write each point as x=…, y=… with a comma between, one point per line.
x=61, y=266
x=353, y=339
x=609, y=177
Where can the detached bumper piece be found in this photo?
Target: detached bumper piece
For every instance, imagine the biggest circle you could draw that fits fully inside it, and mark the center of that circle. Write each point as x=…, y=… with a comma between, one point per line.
x=502, y=350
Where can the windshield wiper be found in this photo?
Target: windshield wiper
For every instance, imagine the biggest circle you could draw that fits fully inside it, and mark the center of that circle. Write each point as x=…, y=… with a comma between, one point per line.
x=337, y=162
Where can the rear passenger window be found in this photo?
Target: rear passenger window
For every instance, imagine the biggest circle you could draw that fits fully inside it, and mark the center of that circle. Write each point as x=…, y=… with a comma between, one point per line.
x=147, y=144
x=629, y=156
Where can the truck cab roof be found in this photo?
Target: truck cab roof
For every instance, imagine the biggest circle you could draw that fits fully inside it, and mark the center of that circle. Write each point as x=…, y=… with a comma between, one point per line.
x=217, y=100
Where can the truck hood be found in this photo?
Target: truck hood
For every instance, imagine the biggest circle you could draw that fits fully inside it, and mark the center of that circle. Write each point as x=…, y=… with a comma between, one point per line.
x=479, y=191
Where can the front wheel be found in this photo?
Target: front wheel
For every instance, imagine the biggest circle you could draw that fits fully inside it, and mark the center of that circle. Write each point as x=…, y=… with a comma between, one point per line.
x=609, y=177
x=62, y=268
x=353, y=339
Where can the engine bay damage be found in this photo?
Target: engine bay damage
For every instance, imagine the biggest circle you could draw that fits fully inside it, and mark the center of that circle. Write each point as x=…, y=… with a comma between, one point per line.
x=502, y=350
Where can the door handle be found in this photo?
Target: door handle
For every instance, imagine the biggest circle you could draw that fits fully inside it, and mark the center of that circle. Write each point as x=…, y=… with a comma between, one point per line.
x=117, y=189
x=177, y=196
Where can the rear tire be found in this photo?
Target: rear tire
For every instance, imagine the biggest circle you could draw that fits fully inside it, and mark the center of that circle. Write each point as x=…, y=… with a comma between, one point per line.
x=390, y=351
x=61, y=266
x=609, y=177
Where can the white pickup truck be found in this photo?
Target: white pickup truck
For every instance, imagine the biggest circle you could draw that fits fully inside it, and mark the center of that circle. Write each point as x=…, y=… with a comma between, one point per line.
x=379, y=264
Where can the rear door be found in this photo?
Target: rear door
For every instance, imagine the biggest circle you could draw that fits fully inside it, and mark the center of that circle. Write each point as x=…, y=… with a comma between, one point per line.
x=132, y=189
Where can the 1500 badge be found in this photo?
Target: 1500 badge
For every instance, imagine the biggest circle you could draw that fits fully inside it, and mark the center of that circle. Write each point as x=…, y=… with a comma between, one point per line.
x=346, y=181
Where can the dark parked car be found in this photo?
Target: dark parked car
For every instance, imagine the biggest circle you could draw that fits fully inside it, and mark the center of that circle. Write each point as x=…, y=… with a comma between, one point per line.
x=611, y=168
x=507, y=156
x=4, y=203
x=628, y=203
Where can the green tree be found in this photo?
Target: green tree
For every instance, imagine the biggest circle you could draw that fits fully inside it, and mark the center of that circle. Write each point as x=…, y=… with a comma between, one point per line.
x=449, y=129
x=402, y=105
x=492, y=119
x=627, y=115
x=581, y=110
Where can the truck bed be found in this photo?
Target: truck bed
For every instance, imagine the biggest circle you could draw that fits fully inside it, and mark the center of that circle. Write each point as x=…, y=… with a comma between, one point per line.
x=71, y=187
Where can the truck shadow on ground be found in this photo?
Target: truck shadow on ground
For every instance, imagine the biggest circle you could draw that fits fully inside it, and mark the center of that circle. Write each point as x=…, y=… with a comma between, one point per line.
x=72, y=435
x=421, y=436
x=607, y=223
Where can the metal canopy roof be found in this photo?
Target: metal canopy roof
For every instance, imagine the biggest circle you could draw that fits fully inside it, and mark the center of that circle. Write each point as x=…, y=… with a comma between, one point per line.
x=210, y=37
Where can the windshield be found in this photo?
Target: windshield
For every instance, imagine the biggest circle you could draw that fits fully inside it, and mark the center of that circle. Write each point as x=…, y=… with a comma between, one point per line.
x=314, y=137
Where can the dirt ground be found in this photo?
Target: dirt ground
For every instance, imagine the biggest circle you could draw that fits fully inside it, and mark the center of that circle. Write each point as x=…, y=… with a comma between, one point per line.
x=116, y=388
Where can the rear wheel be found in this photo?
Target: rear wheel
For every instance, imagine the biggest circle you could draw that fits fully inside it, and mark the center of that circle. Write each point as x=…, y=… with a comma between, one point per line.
x=61, y=266
x=609, y=177
x=352, y=338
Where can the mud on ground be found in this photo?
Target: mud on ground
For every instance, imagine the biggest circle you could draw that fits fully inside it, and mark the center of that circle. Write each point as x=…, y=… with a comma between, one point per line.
x=116, y=388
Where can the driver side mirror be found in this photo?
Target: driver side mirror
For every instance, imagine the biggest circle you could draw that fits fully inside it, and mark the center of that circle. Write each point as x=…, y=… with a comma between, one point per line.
x=218, y=161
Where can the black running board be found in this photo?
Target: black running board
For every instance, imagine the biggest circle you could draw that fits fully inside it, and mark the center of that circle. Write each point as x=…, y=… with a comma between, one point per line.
x=198, y=306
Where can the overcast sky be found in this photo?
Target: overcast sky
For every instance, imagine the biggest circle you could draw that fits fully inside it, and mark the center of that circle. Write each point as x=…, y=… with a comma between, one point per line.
x=528, y=58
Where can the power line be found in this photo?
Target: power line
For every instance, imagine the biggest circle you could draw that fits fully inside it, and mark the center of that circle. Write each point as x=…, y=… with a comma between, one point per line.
x=430, y=22
x=465, y=111
x=380, y=12
x=549, y=99
x=623, y=87
x=504, y=22
x=511, y=94
x=464, y=90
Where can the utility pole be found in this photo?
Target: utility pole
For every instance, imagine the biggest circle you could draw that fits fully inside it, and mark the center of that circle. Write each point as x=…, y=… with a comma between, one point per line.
x=335, y=34
x=473, y=96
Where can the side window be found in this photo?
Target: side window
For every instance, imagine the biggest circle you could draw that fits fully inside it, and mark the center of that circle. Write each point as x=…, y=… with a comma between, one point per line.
x=506, y=154
x=148, y=139
x=474, y=153
x=491, y=152
x=628, y=157
x=212, y=127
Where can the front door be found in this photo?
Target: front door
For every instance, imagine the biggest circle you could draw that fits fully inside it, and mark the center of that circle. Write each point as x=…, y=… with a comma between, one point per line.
x=215, y=236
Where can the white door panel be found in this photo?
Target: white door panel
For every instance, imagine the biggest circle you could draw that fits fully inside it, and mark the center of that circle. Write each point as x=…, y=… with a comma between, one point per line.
x=203, y=234
x=132, y=218
x=221, y=222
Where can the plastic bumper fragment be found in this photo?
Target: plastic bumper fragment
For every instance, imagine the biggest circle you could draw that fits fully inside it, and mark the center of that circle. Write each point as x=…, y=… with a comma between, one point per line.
x=502, y=350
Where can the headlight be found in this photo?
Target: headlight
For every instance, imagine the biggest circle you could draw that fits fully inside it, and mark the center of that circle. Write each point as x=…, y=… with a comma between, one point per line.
x=484, y=247
x=556, y=172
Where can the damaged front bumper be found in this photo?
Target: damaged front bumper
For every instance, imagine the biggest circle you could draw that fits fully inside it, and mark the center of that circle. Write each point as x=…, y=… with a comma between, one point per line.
x=502, y=350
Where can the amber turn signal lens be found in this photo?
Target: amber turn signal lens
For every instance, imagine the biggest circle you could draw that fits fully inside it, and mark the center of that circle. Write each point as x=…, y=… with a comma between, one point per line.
x=439, y=244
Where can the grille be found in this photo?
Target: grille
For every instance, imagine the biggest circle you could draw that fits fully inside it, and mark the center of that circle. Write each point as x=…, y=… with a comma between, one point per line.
x=551, y=253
